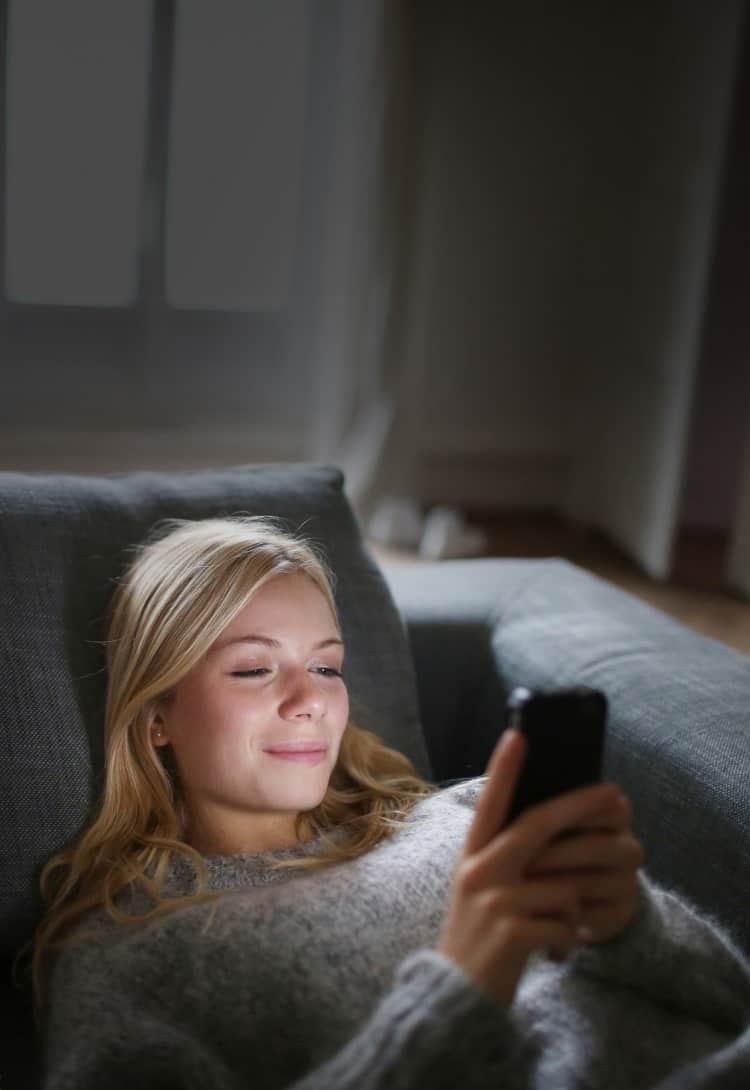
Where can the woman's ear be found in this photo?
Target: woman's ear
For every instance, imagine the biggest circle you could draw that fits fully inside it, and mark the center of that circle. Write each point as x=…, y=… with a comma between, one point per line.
x=157, y=726
x=158, y=736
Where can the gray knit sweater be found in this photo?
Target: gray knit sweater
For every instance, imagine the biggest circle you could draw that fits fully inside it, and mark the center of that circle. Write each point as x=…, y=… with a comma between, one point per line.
x=329, y=980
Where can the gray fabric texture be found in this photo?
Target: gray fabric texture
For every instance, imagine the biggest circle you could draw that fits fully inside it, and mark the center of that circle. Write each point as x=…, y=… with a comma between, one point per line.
x=678, y=738
x=475, y=627
x=330, y=980
x=62, y=542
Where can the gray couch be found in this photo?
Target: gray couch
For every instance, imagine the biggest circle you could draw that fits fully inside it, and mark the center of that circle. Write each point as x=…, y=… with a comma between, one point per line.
x=432, y=651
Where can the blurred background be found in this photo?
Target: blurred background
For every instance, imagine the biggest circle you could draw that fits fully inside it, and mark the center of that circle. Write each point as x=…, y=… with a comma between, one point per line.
x=489, y=258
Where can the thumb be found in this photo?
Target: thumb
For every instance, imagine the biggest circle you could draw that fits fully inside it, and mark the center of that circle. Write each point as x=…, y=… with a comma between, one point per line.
x=492, y=806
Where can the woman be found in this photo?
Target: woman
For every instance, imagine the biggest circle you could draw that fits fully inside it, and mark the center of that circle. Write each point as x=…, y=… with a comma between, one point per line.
x=241, y=913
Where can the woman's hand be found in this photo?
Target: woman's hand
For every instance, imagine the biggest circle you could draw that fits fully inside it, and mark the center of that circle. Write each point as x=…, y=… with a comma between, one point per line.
x=602, y=860
x=499, y=912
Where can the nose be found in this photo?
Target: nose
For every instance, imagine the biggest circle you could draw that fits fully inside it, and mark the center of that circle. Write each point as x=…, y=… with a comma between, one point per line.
x=303, y=698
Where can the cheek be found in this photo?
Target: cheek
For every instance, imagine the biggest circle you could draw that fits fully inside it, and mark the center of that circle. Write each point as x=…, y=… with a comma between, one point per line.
x=342, y=708
x=205, y=719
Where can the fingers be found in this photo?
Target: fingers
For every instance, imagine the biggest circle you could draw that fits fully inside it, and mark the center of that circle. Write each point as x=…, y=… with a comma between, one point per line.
x=549, y=916
x=492, y=805
x=542, y=900
x=614, y=816
x=607, y=917
x=572, y=810
x=508, y=855
x=607, y=892
x=605, y=888
x=612, y=850
x=503, y=771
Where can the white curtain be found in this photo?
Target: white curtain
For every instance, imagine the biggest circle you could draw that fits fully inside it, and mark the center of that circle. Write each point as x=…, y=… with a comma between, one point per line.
x=365, y=391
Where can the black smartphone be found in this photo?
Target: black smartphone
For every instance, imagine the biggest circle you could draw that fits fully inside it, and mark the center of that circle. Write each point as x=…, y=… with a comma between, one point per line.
x=564, y=731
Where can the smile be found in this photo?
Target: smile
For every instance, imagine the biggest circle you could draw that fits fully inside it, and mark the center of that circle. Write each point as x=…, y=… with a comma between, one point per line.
x=312, y=758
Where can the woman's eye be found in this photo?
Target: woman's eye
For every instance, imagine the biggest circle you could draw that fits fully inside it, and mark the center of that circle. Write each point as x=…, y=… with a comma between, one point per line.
x=327, y=671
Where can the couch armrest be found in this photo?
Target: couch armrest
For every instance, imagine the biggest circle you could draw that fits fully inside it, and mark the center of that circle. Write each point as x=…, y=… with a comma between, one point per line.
x=679, y=704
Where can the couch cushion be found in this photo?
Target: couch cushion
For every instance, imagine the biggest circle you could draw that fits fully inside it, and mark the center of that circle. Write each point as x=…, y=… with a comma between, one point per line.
x=62, y=541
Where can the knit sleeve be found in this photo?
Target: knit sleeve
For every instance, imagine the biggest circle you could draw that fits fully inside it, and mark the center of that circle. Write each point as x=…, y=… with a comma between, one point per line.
x=434, y=1028
x=668, y=949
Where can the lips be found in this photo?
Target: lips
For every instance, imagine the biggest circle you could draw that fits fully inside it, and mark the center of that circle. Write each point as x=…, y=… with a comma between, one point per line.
x=316, y=757
x=298, y=747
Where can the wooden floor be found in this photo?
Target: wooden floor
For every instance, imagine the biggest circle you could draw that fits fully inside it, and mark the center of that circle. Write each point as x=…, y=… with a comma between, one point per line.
x=694, y=595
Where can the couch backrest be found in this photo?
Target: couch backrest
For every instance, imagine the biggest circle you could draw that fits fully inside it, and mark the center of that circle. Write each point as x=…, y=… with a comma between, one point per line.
x=678, y=733
x=62, y=542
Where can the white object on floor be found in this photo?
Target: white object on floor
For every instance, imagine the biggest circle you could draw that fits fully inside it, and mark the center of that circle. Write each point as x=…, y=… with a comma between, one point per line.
x=396, y=521
x=446, y=534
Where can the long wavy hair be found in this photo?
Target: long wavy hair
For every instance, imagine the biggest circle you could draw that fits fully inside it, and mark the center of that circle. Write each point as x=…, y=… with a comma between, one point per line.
x=186, y=582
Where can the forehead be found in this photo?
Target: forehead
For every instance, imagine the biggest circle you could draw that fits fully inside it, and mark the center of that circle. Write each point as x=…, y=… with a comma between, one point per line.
x=295, y=589
x=286, y=605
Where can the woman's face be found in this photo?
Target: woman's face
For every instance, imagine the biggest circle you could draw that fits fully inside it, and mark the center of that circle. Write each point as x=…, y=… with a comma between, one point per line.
x=247, y=695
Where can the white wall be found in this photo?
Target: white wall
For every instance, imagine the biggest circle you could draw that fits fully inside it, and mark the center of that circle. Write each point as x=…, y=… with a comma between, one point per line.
x=497, y=244
x=570, y=160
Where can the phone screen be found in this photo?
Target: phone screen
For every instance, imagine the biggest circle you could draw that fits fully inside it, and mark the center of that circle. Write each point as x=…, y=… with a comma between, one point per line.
x=564, y=733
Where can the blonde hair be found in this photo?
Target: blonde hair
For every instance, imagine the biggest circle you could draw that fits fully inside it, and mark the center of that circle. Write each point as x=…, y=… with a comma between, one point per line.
x=185, y=584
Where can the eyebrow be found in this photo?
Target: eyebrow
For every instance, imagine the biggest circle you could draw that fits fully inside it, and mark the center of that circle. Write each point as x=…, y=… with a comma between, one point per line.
x=267, y=641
